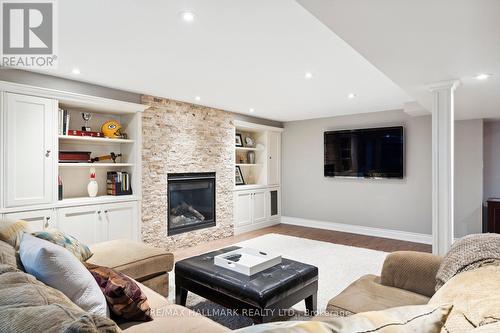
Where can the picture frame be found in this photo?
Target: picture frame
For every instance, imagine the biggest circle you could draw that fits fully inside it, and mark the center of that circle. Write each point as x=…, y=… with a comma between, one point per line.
x=239, y=140
x=239, y=176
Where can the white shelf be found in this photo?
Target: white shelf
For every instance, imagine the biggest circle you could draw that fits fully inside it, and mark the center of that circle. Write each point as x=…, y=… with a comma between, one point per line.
x=95, y=165
x=96, y=200
x=73, y=138
x=249, y=148
x=248, y=164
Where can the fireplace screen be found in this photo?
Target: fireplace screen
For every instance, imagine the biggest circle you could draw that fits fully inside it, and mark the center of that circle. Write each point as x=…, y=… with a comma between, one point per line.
x=191, y=202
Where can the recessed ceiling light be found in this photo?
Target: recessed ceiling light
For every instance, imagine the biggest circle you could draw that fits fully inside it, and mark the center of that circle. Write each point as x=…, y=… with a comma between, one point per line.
x=308, y=75
x=251, y=110
x=351, y=96
x=198, y=98
x=482, y=76
x=75, y=71
x=187, y=16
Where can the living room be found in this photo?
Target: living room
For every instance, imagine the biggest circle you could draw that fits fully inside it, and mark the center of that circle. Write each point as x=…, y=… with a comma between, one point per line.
x=251, y=166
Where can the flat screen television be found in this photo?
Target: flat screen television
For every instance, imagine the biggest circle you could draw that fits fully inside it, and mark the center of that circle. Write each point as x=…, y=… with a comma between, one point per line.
x=365, y=153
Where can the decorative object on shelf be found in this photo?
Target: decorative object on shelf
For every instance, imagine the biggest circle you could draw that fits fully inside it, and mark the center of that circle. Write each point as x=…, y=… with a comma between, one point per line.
x=74, y=156
x=60, y=188
x=86, y=117
x=239, y=140
x=118, y=183
x=249, y=142
x=92, y=187
x=85, y=133
x=239, y=176
x=251, y=157
x=112, y=129
x=112, y=156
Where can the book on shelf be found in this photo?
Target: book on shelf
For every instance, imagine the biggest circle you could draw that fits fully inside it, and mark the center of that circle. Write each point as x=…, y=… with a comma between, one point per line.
x=118, y=183
x=64, y=118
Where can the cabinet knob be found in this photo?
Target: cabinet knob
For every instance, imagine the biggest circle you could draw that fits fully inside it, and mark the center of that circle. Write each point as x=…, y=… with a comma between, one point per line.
x=98, y=212
x=47, y=154
x=105, y=212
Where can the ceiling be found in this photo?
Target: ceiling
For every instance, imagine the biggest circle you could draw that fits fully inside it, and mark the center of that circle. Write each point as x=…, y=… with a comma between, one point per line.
x=416, y=43
x=235, y=55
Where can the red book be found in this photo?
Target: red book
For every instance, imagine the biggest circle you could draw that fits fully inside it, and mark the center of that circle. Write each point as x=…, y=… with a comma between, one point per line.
x=84, y=133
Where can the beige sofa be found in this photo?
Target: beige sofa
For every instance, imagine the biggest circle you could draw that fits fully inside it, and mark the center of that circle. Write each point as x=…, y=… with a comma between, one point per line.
x=409, y=278
x=167, y=317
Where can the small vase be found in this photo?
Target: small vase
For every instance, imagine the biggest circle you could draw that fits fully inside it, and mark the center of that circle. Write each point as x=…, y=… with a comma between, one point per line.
x=92, y=187
x=251, y=157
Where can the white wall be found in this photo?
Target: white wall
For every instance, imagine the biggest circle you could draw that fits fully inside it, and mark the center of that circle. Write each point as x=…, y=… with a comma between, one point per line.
x=403, y=205
x=491, y=160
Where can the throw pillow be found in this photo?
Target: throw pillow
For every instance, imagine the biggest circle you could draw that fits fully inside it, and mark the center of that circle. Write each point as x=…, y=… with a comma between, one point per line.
x=405, y=319
x=125, y=298
x=11, y=232
x=58, y=268
x=70, y=243
x=28, y=305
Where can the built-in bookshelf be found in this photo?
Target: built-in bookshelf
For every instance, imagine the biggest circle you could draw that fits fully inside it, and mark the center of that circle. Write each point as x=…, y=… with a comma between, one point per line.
x=253, y=172
x=75, y=176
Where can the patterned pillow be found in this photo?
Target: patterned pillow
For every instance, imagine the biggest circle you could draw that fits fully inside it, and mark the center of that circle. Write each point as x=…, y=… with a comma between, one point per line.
x=12, y=232
x=125, y=299
x=70, y=243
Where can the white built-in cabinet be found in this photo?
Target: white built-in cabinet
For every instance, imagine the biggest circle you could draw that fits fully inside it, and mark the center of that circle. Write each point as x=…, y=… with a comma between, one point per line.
x=29, y=167
x=257, y=203
x=29, y=149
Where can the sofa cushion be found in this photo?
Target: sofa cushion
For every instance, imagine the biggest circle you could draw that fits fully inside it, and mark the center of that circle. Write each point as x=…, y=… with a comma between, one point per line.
x=124, y=296
x=367, y=294
x=475, y=298
x=27, y=305
x=70, y=243
x=11, y=231
x=406, y=319
x=412, y=271
x=58, y=268
x=171, y=318
x=7, y=254
x=134, y=259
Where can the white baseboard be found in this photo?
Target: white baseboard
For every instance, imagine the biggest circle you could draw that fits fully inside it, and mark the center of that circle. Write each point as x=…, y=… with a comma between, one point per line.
x=356, y=229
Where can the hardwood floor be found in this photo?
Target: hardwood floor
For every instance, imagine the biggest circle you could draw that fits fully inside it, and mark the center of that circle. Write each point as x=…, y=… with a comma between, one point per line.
x=369, y=242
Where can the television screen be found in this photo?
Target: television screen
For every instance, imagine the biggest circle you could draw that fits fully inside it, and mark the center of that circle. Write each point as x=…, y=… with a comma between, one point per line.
x=366, y=153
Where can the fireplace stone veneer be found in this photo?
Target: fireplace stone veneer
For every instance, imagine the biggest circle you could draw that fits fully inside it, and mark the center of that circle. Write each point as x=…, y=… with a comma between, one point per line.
x=180, y=137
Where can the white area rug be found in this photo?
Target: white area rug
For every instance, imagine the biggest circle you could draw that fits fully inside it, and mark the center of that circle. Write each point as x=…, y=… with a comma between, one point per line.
x=338, y=265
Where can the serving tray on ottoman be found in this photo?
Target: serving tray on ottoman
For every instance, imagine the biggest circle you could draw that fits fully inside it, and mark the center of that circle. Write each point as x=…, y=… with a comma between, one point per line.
x=260, y=296
x=247, y=261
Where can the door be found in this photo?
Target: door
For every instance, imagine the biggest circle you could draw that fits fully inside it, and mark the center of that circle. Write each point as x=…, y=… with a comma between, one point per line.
x=85, y=223
x=259, y=206
x=38, y=220
x=120, y=220
x=29, y=144
x=242, y=208
x=274, y=158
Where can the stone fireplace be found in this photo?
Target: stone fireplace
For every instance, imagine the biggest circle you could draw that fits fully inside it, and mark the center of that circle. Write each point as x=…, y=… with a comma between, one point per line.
x=181, y=140
x=191, y=204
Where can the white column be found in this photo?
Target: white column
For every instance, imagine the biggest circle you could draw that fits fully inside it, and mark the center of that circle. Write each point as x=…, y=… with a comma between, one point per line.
x=442, y=165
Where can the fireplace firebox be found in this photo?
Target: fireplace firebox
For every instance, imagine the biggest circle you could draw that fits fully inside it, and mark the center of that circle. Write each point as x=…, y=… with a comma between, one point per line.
x=191, y=202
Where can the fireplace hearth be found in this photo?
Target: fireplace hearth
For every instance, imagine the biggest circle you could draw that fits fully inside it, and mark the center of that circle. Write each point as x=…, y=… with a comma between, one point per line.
x=191, y=202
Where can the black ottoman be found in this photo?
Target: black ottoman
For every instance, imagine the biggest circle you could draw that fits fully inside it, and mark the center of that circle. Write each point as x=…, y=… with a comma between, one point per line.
x=260, y=297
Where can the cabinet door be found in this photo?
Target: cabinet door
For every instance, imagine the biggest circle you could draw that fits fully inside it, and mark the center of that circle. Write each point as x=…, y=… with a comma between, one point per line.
x=259, y=206
x=85, y=223
x=274, y=158
x=38, y=220
x=120, y=220
x=242, y=208
x=29, y=149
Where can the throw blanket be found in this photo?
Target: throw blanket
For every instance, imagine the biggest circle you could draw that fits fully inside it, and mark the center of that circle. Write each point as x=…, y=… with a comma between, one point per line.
x=469, y=253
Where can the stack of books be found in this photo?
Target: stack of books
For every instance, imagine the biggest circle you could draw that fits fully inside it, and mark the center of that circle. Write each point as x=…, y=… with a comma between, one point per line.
x=63, y=122
x=118, y=183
